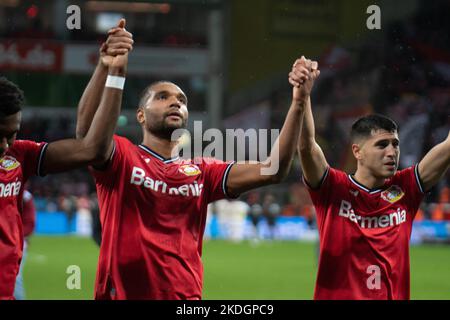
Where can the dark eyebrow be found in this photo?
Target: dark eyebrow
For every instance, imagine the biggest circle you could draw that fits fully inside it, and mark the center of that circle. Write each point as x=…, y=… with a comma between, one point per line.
x=161, y=92
x=181, y=94
x=384, y=141
x=184, y=97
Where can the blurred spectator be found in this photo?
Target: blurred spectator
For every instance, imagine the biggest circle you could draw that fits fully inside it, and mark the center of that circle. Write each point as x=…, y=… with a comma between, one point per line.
x=28, y=224
x=271, y=210
x=300, y=204
x=254, y=212
x=95, y=213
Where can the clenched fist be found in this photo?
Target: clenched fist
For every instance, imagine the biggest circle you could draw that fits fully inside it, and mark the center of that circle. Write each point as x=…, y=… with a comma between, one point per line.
x=304, y=73
x=114, y=52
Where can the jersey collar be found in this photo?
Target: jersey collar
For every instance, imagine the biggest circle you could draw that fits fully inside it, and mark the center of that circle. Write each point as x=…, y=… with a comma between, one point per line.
x=359, y=185
x=158, y=156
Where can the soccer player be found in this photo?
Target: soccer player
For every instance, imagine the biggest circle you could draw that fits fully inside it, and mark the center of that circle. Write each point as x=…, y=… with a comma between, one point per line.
x=153, y=205
x=19, y=159
x=365, y=219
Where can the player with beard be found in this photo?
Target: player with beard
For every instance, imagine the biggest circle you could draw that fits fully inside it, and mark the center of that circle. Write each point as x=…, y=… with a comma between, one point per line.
x=153, y=204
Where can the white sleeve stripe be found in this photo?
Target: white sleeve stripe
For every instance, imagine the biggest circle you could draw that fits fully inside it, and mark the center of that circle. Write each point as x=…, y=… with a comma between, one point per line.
x=224, y=179
x=41, y=157
x=113, y=151
x=416, y=173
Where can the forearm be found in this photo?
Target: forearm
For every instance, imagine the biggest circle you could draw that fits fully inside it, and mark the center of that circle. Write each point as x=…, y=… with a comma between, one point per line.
x=435, y=163
x=247, y=176
x=90, y=100
x=307, y=139
x=284, y=148
x=311, y=156
x=104, y=121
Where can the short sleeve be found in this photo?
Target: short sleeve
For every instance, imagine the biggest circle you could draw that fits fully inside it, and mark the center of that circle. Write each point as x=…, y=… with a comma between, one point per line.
x=107, y=174
x=216, y=175
x=322, y=194
x=325, y=184
x=409, y=180
x=31, y=154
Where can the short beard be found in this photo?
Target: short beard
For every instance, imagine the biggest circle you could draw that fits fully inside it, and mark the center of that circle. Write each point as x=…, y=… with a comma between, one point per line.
x=163, y=130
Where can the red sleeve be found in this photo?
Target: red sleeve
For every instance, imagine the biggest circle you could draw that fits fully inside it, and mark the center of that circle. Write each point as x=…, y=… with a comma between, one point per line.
x=107, y=174
x=408, y=179
x=216, y=174
x=321, y=195
x=31, y=154
x=28, y=214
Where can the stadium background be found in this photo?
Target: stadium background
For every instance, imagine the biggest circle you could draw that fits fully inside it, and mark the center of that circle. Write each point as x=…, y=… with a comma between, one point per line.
x=232, y=59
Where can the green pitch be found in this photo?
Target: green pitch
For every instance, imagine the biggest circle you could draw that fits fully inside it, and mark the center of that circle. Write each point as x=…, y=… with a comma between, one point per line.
x=267, y=270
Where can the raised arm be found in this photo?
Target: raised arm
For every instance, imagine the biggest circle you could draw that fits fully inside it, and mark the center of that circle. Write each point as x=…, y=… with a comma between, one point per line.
x=96, y=147
x=435, y=163
x=119, y=41
x=311, y=155
x=246, y=176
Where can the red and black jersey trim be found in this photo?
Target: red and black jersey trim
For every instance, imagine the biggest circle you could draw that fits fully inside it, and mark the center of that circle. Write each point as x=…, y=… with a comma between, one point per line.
x=104, y=166
x=419, y=182
x=322, y=180
x=224, y=182
x=41, y=160
x=361, y=186
x=158, y=156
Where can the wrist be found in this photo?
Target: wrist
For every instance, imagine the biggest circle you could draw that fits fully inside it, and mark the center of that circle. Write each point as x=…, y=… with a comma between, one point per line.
x=101, y=65
x=301, y=102
x=117, y=71
x=115, y=81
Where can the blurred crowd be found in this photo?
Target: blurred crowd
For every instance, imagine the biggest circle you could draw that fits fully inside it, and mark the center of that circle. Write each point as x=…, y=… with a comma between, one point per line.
x=177, y=25
x=404, y=75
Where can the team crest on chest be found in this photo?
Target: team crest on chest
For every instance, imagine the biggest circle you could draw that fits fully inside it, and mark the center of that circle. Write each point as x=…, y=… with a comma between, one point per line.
x=9, y=163
x=189, y=170
x=392, y=194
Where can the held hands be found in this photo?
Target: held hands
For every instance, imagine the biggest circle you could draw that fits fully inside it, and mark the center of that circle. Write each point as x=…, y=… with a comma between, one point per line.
x=302, y=77
x=114, y=52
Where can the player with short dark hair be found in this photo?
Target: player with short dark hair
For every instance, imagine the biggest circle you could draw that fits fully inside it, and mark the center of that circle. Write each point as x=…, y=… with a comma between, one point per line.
x=153, y=204
x=364, y=127
x=365, y=219
x=20, y=159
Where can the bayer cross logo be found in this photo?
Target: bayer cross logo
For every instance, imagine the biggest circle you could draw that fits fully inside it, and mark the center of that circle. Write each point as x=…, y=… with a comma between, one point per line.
x=190, y=170
x=393, y=194
x=9, y=163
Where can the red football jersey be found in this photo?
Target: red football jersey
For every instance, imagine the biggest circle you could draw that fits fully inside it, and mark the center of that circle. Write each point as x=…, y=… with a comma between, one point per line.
x=153, y=213
x=21, y=161
x=364, y=235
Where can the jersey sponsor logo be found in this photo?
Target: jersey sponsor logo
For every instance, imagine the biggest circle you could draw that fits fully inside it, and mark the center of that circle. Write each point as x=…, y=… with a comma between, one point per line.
x=189, y=170
x=369, y=222
x=11, y=189
x=9, y=163
x=392, y=194
x=139, y=178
